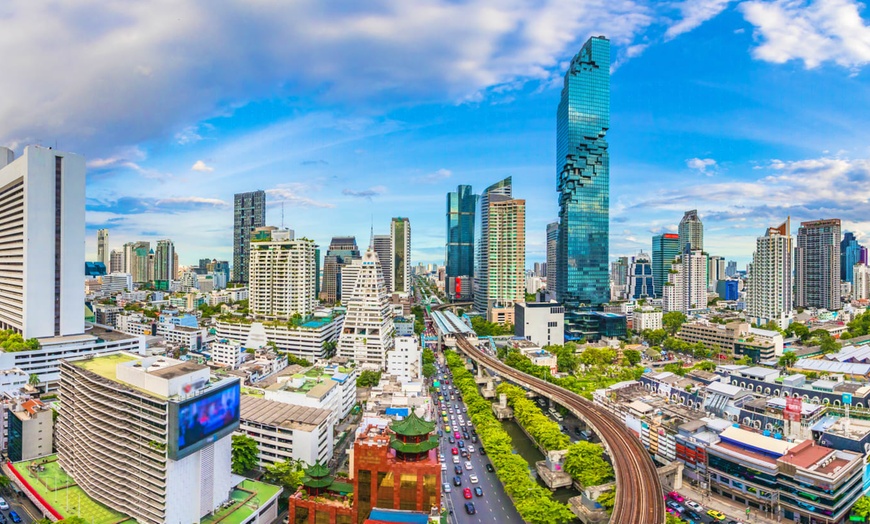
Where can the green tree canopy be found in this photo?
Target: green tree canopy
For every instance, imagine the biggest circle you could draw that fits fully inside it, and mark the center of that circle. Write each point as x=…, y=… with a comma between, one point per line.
x=288, y=473
x=672, y=321
x=787, y=360
x=368, y=378
x=428, y=356
x=490, y=329
x=245, y=455
x=429, y=370
x=862, y=507
x=632, y=356
x=585, y=463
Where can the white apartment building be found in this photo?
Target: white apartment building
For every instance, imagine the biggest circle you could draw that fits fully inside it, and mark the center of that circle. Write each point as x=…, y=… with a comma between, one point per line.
x=405, y=360
x=131, y=438
x=305, y=341
x=332, y=388
x=42, y=215
x=287, y=432
x=185, y=336
x=861, y=281
x=367, y=333
x=117, y=283
x=646, y=318
x=542, y=323
x=227, y=353
x=282, y=276
x=686, y=288
x=769, y=292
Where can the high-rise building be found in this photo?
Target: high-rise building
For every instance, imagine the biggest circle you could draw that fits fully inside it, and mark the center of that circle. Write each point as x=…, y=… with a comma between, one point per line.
x=619, y=278
x=400, y=263
x=665, y=248
x=103, y=247
x=136, y=259
x=368, y=331
x=164, y=260
x=731, y=269
x=686, y=288
x=281, y=274
x=116, y=261
x=342, y=251
x=506, y=248
x=383, y=249
x=583, y=178
x=769, y=292
x=42, y=206
x=851, y=253
x=817, y=265
x=691, y=231
x=640, y=277
x=249, y=213
x=861, y=282
x=459, y=256
x=715, y=271
x=552, y=250
x=498, y=192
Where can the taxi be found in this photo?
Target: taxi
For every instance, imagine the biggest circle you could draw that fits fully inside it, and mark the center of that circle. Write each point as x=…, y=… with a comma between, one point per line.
x=718, y=515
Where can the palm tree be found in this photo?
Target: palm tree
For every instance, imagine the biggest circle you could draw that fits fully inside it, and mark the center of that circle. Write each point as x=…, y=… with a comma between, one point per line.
x=33, y=380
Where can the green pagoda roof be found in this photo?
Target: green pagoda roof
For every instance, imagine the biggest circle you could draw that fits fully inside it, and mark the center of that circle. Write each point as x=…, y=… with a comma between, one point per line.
x=412, y=426
x=414, y=447
x=318, y=470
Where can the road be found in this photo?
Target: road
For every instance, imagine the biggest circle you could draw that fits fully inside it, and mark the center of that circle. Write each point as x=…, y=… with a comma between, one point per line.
x=638, y=490
x=494, y=501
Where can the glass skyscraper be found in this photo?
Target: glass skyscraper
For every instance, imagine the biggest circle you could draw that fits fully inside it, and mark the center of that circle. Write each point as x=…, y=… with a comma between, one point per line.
x=249, y=213
x=459, y=258
x=583, y=178
x=665, y=249
x=851, y=253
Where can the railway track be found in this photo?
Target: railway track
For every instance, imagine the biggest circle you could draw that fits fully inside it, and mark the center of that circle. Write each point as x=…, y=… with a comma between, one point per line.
x=639, y=493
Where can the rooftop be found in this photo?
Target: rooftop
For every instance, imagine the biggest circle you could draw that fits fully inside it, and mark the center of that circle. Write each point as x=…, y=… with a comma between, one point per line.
x=279, y=414
x=105, y=366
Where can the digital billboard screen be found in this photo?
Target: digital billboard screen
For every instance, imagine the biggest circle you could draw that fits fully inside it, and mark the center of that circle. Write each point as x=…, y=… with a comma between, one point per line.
x=204, y=419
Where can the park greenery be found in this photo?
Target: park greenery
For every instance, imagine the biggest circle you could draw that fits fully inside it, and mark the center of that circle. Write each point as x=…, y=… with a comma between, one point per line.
x=288, y=474
x=533, y=502
x=585, y=463
x=245, y=455
x=543, y=430
x=368, y=378
x=12, y=342
x=483, y=328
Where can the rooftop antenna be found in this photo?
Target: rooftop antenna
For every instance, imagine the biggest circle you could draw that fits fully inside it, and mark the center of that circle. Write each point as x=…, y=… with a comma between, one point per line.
x=372, y=233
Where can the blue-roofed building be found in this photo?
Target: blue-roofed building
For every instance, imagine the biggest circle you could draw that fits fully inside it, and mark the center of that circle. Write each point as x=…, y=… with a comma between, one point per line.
x=396, y=516
x=95, y=269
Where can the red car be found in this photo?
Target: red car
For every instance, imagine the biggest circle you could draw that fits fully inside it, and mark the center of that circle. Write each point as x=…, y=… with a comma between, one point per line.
x=676, y=497
x=455, y=451
x=466, y=493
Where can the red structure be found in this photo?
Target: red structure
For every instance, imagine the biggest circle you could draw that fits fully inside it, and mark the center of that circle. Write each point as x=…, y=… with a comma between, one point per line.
x=394, y=467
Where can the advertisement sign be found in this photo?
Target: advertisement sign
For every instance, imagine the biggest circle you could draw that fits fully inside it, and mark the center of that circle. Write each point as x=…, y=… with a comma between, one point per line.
x=201, y=420
x=793, y=407
x=847, y=399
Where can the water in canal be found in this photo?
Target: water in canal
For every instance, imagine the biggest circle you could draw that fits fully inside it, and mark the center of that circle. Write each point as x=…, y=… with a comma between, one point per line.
x=524, y=447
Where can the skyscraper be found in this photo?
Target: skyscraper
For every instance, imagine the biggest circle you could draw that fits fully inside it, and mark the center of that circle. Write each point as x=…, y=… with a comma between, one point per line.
x=583, y=178
x=691, y=231
x=552, y=249
x=383, y=249
x=249, y=213
x=103, y=247
x=665, y=248
x=368, y=329
x=715, y=271
x=619, y=278
x=506, y=256
x=498, y=192
x=164, y=260
x=459, y=256
x=817, y=265
x=42, y=209
x=342, y=250
x=851, y=253
x=116, y=261
x=769, y=290
x=640, y=277
x=282, y=274
x=400, y=263
x=686, y=288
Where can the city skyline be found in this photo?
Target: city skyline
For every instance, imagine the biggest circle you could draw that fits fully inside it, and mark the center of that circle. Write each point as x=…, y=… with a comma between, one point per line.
x=716, y=135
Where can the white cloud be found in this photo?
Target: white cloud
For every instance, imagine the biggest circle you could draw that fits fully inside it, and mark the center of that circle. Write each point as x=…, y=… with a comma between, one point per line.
x=435, y=177
x=695, y=13
x=291, y=194
x=701, y=164
x=813, y=32
x=199, y=165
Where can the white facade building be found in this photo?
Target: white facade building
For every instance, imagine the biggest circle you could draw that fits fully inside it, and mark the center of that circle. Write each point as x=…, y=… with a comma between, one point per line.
x=646, y=318
x=686, y=289
x=287, y=432
x=861, y=281
x=405, y=360
x=117, y=283
x=305, y=341
x=227, y=353
x=769, y=293
x=542, y=323
x=367, y=333
x=282, y=275
x=333, y=389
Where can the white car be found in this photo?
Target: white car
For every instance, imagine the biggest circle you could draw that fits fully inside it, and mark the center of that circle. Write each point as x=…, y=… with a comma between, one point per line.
x=3, y=504
x=468, y=465
x=456, y=459
x=470, y=448
x=473, y=479
x=443, y=467
x=694, y=505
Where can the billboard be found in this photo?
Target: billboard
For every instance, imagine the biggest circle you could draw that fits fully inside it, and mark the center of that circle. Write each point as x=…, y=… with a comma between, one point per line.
x=194, y=423
x=793, y=407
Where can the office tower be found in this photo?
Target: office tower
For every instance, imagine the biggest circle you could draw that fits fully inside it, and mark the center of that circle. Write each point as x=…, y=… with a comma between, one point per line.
x=498, y=192
x=665, y=248
x=136, y=435
x=851, y=253
x=817, y=265
x=536, y=269
x=715, y=271
x=506, y=255
x=640, y=277
x=731, y=268
x=686, y=288
x=691, y=231
x=249, y=213
x=583, y=178
x=459, y=261
x=384, y=251
x=861, y=282
x=42, y=214
x=400, y=264
x=116, y=261
x=317, y=273
x=103, y=247
x=769, y=292
x=619, y=278
x=281, y=274
x=368, y=331
x=164, y=260
x=342, y=250
x=552, y=250
x=136, y=259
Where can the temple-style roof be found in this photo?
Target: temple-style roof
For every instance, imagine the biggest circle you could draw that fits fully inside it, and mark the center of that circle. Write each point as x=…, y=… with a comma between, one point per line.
x=414, y=447
x=412, y=426
x=317, y=470
x=317, y=476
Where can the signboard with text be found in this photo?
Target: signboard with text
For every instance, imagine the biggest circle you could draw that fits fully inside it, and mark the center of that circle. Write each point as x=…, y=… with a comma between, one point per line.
x=793, y=406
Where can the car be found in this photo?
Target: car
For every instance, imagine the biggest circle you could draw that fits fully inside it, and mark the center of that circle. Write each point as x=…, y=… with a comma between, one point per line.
x=454, y=451
x=451, y=440
x=468, y=465
x=482, y=451
x=14, y=517
x=444, y=419
x=456, y=406
x=450, y=411
x=694, y=505
x=474, y=438
x=456, y=434
x=718, y=515
x=447, y=428
x=473, y=479
x=457, y=469
x=443, y=467
x=455, y=459
x=446, y=487
x=464, y=453
x=457, y=480
x=676, y=497
x=469, y=508
x=461, y=444
x=478, y=491
x=470, y=448
x=489, y=467
x=473, y=431
x=464, y=409
x=441, y=457
x=3, y=504
x=692, y=515
x=675, y=506
x=466, y=436
x=466, y=493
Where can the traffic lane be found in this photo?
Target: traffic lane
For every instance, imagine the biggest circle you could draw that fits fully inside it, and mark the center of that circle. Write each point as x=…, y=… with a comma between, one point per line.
x=25, y=509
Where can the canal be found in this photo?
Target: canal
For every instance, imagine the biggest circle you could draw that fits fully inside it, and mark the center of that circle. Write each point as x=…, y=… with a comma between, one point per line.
x=526, y=449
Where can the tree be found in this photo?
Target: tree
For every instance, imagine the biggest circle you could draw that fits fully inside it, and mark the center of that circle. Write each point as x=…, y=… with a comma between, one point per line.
x=368, y=378
x=585, y=463
x=745, y=361
x=787, y=360
x=428, y=356
x=429, y=370
x=245, y=454
x=706, y=365
x=672, y=321
x=607, y=499
x=829, y=345
x=33, y=380
x=655, y=337
x=670, y=518
x=799, y=330
x=288, y=473
x=675, y=368
x=632, y=356
x=862, y=507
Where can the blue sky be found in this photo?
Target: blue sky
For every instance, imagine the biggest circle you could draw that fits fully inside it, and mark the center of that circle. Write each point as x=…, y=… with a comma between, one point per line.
x=346, y=115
